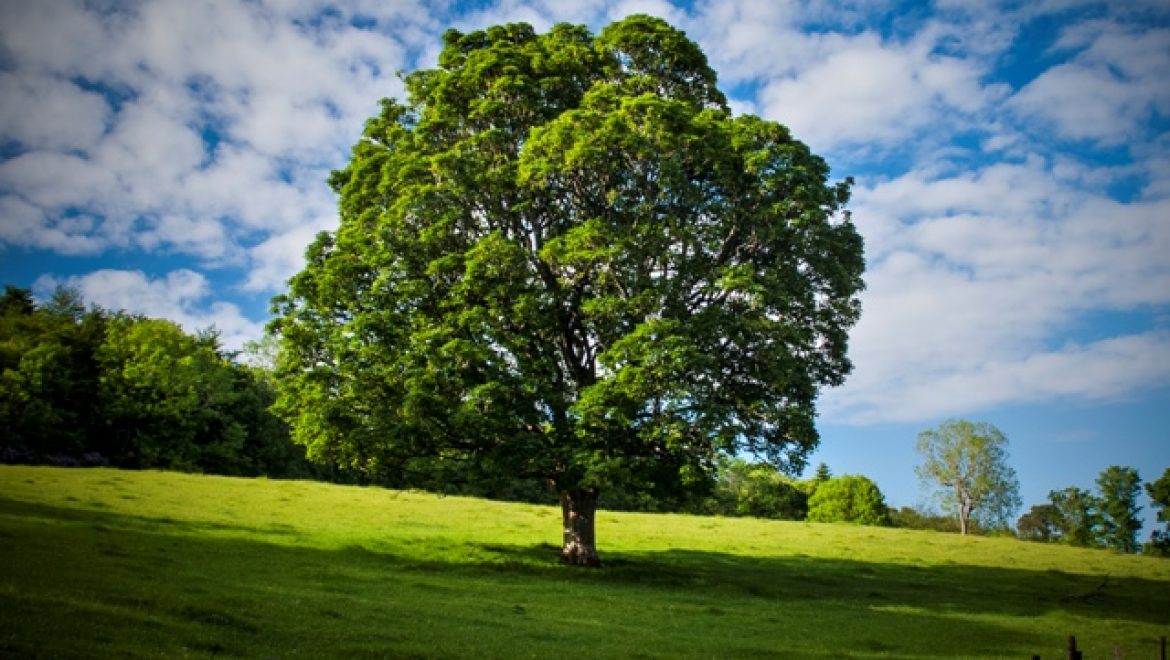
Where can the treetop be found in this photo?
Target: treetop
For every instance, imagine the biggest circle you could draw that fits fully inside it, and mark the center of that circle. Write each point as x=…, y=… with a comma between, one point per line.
x=561, y=256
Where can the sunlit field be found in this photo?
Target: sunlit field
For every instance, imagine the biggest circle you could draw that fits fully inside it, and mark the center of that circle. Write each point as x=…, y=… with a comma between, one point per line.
x=106, y=563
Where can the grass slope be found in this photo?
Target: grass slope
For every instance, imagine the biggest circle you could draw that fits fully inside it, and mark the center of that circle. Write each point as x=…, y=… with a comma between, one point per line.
x=102, y=563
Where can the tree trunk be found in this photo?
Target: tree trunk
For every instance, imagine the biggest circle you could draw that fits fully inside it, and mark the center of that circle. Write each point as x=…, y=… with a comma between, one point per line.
x=579, y=508
x=964, y=508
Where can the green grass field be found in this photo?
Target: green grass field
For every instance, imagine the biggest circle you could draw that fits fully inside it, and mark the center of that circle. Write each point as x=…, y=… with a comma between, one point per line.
x=104, y=563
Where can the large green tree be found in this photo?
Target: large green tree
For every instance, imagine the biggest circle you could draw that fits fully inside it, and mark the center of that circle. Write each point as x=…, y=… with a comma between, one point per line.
x=967, y=465
x=561, y=257
x=1119, y=488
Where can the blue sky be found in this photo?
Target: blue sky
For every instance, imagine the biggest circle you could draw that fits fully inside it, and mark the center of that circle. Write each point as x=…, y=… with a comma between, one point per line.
x=1011, y=159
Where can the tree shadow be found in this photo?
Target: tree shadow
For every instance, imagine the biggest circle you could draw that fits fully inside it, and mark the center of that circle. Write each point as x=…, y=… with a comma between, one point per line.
x=945, y=589
x=83, y=582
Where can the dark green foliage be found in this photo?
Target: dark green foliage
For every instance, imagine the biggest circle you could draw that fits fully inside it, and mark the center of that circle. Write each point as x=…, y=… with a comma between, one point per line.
x=159, y=391
x=1041, y=523
x=1119, y=488
x=1105, y=518
x=1159, y=492
x=49, y=380
x=823, y=473
x=755, y=489
x=16, y=302
x=82, y=386
x=849, y=498
x=913, y=518
x=1078, y=515
x=561, y=258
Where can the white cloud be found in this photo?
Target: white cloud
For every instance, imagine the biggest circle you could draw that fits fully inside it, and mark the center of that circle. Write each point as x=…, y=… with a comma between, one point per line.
x=973, y=278
x=1109, y=90
x=281, y=255
x=753, y=40
x=1102, y=370
x=50, y=113
x=34, y=35
x=150, y=147
x=660, y=8
x=742, y=106
x=281, y=91
x=180, y=296
x=207, y=128
x=205, y=238
x=507, y=11
x=864, y=90
x=56, y=181
x=1080, y=102
x=26, y=225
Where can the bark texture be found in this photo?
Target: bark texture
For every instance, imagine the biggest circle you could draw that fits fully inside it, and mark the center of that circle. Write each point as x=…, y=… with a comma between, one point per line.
x=579, y=509
x=965, y=507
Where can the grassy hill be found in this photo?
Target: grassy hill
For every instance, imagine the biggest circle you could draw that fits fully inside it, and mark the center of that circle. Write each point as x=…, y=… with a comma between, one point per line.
x=103, y=563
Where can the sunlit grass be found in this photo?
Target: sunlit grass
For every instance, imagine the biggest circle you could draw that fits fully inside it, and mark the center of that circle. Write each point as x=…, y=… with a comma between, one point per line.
x=103, y=563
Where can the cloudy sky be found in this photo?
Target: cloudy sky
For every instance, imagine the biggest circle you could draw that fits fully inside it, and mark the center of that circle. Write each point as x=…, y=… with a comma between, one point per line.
x=1012, y=163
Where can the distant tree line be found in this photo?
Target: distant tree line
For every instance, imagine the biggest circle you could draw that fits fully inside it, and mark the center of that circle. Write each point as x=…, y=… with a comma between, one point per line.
x=967, y=466
x=740, y=488
x=759, y=490
x=1105, y=517
x=87, y=386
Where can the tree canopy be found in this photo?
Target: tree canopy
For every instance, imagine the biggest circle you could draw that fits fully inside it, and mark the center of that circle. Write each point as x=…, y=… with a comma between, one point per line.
x=1041, y=523
x=1078, y=515
x=1119, y=487
x=758, y=490
x=1159, y=492
x=849, y=498
x=967, y=464
x=89, y=386
x=562, y=257
x=1107, y=517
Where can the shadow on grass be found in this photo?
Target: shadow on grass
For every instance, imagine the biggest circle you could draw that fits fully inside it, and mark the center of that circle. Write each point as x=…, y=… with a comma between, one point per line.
x=82, y=582
x=950, y=589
